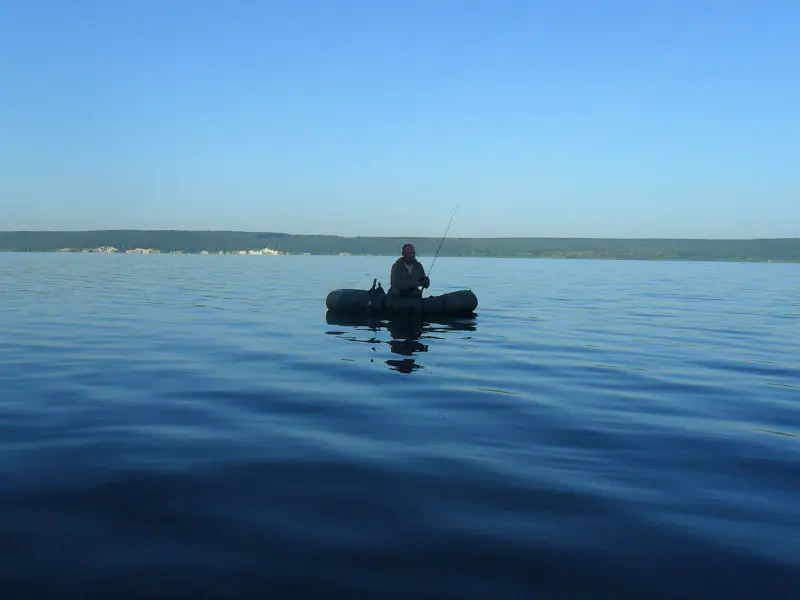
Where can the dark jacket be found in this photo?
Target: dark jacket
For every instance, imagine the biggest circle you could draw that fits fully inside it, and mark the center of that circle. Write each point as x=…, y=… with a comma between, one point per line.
x=400, y=275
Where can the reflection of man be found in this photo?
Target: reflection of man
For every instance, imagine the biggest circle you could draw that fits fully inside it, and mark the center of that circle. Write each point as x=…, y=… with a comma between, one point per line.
x=407, y=274
x=405, y=336
x=406, y=365
x=406, y=328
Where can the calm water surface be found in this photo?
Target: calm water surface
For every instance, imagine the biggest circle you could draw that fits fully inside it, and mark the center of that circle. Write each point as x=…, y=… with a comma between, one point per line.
x=197, y=427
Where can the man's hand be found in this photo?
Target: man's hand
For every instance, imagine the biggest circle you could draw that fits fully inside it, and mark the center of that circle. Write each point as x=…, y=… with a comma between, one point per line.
x=425, y=282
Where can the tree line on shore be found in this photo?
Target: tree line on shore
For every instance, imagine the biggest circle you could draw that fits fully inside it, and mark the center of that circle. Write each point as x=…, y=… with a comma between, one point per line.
x=776, y=250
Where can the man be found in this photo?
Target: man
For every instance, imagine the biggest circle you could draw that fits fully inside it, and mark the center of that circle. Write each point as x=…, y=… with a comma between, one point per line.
x=407, y=274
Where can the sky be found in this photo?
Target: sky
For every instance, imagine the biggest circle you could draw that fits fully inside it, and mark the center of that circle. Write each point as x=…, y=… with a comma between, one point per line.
x=570, y=118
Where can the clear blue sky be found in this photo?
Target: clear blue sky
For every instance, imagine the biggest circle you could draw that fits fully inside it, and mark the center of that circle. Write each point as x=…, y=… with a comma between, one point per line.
x=564, y=118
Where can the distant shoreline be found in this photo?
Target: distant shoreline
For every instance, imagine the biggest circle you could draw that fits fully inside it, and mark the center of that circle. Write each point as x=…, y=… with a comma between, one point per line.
x=271, y=243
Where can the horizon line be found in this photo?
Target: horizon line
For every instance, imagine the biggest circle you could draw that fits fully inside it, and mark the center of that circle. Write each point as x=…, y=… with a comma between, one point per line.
x=334, y=235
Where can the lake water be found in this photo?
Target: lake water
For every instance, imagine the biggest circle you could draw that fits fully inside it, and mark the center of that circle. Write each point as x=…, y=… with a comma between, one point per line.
x=185, y=426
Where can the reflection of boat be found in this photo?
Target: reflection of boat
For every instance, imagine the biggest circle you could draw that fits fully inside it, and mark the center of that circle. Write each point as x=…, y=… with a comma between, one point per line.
x=401, y=326
x=405, y=333
x=378, y=303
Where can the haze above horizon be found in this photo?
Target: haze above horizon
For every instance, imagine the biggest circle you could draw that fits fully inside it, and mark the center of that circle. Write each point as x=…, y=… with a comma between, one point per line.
x=539, y=119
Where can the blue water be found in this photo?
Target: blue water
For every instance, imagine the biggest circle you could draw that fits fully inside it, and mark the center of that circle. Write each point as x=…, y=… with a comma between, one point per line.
x=195, y=427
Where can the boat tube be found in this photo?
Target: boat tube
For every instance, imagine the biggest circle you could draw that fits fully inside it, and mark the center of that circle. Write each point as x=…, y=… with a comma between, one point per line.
x=376, y=302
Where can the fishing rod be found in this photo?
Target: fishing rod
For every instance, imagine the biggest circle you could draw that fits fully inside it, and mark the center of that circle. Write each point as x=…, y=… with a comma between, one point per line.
x=428, y=274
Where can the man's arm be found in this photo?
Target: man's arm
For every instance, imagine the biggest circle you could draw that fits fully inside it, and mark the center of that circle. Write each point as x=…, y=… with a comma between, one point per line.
x=424, y=281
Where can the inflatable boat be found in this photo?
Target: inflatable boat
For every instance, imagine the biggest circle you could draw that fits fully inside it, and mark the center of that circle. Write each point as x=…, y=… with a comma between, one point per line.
x=376, y=302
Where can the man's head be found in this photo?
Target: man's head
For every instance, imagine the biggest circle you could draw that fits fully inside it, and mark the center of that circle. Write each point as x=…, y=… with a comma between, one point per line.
x=409, y=253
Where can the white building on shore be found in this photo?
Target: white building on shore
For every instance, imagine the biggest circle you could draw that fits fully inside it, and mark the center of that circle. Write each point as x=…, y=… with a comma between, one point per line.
x=112, y=250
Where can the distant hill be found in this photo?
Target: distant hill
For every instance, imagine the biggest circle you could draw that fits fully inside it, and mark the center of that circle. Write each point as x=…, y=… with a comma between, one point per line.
x=777, y=250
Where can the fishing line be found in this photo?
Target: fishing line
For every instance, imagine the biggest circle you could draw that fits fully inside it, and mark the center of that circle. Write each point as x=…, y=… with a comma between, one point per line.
x=440, y=242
